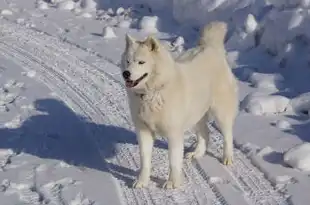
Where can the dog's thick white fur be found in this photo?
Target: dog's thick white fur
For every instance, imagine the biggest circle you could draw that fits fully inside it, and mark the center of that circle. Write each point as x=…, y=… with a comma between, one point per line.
x=167, y=96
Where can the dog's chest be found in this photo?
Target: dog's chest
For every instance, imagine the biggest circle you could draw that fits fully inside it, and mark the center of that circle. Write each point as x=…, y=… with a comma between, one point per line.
x=151, y=111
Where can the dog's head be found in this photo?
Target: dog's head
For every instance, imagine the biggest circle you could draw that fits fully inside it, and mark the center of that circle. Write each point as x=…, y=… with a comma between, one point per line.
x=139, y=62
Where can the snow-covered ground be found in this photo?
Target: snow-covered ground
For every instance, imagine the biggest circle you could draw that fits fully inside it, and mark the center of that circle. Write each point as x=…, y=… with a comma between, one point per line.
x=66, y=137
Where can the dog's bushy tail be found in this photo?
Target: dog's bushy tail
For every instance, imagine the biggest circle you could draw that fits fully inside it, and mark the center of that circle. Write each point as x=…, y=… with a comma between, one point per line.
x=213, y=33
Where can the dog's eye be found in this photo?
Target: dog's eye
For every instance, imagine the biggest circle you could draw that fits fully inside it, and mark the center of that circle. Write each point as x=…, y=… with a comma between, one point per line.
x=141, y=62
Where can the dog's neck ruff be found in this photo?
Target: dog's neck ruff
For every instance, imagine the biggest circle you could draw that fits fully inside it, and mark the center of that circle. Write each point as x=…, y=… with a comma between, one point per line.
x=152, y=98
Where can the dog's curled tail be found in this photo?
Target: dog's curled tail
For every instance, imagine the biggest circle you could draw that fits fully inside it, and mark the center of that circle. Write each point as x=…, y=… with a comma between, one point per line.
x=213, y=33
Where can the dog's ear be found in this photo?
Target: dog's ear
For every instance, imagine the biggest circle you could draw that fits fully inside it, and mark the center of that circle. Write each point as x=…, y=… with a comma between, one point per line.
x=152, y=43
x=129, y=40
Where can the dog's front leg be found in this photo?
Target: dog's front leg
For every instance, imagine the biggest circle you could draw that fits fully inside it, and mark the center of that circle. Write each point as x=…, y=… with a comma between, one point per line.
x=146, y=141
x=175, y=152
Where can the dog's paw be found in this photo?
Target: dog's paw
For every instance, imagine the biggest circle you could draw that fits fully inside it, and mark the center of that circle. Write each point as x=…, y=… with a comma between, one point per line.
x=140, y=184
x=227, y=160
x=171, y=185
x=193, y=155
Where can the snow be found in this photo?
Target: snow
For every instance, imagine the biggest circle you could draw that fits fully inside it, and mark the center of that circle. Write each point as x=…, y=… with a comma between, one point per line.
x=108, y=32
x=6, y=12
x=260, y=104
x=149, y=24
x=283, y=125
x=66, y=132
x=88, y=5
x=299, y=157
x=250, y=24
x=66, y=5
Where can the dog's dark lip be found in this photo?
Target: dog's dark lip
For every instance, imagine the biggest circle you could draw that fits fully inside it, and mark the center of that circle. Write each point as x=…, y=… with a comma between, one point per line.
x=131, y=83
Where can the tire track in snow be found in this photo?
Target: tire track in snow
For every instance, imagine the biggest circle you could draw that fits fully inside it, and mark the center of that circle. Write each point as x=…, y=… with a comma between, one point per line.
x=83, y=90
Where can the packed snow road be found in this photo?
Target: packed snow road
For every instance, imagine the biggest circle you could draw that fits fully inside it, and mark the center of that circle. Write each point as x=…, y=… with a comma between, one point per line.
x=101, y=104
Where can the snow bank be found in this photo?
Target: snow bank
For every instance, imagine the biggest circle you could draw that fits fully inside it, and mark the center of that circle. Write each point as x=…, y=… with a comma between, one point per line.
x=299, y=157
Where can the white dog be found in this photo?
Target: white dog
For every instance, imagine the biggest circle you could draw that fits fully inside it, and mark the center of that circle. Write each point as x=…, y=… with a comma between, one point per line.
x=168, y=96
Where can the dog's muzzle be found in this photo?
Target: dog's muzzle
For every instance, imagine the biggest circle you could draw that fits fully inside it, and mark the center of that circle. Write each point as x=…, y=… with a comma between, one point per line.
x=133, y=83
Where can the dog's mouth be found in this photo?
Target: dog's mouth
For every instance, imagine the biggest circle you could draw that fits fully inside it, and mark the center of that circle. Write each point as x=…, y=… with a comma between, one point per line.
x=133, y=83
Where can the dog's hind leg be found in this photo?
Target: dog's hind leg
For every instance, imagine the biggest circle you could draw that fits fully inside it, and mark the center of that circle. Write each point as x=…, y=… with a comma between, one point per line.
x=202, y=133
x=146, y=142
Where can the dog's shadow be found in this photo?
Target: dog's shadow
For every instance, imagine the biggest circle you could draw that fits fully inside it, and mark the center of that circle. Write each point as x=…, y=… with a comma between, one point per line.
x=56, y=132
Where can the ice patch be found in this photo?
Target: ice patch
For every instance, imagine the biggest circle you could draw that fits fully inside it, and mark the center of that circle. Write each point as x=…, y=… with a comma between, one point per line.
x=108, y=32
x=6, y=12
x=299, y=157
x=149, y=24
x=259, y=104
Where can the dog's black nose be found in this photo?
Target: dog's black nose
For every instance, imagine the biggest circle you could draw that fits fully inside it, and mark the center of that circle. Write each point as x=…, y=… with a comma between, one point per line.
x=126, y=74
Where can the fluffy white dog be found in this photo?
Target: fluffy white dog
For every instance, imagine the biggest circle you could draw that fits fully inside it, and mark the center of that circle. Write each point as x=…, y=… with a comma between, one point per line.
x=167, y=96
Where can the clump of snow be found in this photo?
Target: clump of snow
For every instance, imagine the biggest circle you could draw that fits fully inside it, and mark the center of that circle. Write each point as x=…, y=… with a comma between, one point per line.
x=179, y=41
x=272, y=82
x=298, y=157
x=66, y=5
x=86, y=15
x=250, y=24
x=232, y=58
x=42, y=5
x=300, y=103
x=80, y=199
x=88, y=4
x=149, y=24
x=108, y=32
x=241, y=40
x=15, y=123
x=20, y=20
x=296, y=19
x=260, y=104
x=283, y=124
x=30, y=74
x=110, y=11
x=120, y=11
x=6, y=12
x=10, y=83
